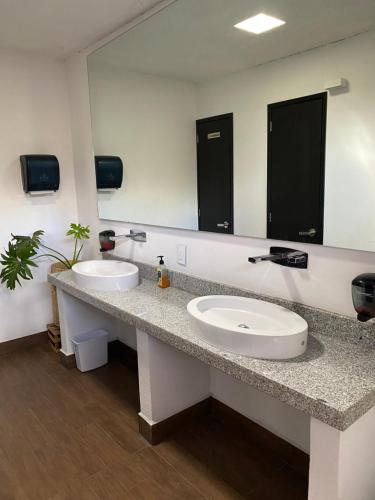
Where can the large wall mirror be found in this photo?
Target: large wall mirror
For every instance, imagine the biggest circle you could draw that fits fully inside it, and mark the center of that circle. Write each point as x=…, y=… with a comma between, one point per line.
x=227, y=130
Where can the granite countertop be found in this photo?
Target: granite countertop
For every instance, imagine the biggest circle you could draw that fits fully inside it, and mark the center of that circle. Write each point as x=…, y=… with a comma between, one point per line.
x=334, y=381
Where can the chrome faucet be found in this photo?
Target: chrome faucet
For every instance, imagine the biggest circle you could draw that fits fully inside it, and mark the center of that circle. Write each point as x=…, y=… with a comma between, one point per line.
x=283, y=256
x=107, y=238
x=133, y=235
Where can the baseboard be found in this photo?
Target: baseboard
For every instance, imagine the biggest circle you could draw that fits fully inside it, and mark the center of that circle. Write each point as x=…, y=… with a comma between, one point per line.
x=257, y=434
x=69, y=361
x=23, y=343
x=154, y=434
x=291, y=455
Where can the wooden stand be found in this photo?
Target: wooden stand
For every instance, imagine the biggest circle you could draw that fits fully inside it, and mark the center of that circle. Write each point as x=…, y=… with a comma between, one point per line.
x=54, y=337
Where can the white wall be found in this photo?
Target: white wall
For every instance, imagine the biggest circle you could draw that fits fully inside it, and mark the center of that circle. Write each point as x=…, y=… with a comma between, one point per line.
x=350, y=149
x=149, y=122
x=325, y=284
x=34, y=119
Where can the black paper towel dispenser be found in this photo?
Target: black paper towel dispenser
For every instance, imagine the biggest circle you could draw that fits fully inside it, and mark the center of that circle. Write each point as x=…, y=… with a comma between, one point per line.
x=109, y=172
x=40, y=173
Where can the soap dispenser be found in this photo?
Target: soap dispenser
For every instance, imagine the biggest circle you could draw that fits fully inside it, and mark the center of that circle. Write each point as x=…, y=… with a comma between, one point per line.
x=363, y=293
x=163, y=275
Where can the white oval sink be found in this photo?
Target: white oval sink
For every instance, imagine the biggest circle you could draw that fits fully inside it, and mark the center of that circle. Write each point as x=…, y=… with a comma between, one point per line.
x=106, y=275
x=249, y=327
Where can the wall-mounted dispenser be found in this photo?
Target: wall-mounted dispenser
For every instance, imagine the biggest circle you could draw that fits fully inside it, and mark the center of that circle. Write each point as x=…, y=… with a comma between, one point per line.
x=363, y=293
x=109, y=172
x=106, y=240
x=40, y=173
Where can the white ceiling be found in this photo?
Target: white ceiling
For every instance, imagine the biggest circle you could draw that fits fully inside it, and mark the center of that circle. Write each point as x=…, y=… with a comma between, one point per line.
x=195, y=40
x=62, y=27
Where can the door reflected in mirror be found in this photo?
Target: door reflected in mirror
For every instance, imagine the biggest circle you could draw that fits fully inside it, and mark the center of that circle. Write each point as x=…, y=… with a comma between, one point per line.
x=263, y=135
x=215, y=173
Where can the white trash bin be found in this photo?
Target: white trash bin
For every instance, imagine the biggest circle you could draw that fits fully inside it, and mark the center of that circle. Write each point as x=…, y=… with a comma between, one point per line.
x=91, y=349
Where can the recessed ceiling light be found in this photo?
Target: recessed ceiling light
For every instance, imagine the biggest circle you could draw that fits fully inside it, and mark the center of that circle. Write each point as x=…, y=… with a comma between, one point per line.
x=259, y=23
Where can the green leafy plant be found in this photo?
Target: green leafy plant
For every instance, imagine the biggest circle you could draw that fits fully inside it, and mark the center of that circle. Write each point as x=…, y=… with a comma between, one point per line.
x=22, y=253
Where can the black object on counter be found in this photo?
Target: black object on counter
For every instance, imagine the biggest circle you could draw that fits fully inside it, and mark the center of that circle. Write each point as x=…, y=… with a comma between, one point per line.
x=363, y=293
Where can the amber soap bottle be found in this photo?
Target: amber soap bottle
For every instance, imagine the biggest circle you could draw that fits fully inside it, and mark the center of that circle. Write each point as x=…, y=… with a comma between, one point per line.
x=163, y=275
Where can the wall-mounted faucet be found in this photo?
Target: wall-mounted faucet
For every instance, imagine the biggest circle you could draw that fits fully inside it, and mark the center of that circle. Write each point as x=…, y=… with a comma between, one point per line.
x=283, y=256
x=107, y=238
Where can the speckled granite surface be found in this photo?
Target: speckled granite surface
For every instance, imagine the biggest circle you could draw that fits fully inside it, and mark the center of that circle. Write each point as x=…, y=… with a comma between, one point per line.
x=334, y=381
x=318, y=319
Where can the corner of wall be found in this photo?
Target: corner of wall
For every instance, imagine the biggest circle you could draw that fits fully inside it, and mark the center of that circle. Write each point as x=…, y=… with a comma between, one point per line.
x=83, y=151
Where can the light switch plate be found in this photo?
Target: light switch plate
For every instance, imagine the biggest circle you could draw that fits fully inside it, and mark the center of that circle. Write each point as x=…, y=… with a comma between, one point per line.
x=181, y=255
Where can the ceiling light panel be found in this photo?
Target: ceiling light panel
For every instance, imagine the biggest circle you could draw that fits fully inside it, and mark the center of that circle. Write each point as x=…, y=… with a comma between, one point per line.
x=259, y=24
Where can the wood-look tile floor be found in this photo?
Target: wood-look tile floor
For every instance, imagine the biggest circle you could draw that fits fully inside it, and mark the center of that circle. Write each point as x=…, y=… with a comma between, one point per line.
x=68, y=435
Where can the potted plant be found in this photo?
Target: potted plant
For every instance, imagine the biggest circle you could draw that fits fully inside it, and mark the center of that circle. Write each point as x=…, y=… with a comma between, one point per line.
x=23, y=252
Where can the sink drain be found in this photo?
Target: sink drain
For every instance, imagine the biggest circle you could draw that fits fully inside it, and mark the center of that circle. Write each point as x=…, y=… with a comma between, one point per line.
x=243, y=325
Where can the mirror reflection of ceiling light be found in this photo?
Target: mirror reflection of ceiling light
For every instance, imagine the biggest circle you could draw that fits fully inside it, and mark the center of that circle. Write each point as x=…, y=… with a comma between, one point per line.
x=259, y=24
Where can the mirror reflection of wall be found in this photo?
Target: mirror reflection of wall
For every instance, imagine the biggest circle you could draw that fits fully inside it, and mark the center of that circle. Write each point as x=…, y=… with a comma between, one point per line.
x=149, y=122
x=162, y=85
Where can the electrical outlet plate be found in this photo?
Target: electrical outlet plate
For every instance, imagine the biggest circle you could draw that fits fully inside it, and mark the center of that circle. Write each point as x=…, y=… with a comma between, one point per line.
x=181, y=255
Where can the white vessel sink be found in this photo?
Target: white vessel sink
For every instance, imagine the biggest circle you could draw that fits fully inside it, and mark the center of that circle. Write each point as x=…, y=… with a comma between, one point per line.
x=249, y=327
x=106, y=275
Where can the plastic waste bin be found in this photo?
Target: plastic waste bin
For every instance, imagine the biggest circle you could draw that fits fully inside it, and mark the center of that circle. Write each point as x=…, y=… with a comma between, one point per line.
x=91, y=349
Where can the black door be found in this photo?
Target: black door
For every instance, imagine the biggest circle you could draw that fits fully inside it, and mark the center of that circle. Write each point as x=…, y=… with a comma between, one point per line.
x=296, y=155
x=215, y=173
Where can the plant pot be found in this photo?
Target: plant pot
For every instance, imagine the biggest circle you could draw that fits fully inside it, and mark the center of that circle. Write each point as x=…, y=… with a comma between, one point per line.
x=57, y=267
